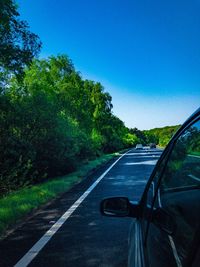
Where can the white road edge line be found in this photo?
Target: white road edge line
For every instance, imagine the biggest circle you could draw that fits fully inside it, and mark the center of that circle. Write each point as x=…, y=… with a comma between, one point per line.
x=32, y=253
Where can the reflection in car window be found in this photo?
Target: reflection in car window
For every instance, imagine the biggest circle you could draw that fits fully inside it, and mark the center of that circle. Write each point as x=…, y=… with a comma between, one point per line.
x=183, y=169
x=179, y=190
x=179, y=197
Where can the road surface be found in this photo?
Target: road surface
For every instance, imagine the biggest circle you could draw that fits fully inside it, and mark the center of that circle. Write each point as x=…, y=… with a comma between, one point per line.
x=85, y=237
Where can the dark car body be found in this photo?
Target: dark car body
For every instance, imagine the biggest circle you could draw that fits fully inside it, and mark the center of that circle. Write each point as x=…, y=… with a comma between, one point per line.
x=152, y=145
x=166, y=221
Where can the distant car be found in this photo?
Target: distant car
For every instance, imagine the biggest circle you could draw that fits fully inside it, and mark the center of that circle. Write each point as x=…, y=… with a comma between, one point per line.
x=152, y=145
x=166, y=228
x=139, y=146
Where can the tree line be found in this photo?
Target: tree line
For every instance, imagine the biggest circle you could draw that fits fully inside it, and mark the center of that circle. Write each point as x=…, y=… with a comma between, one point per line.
x=51, y=119
x=159, y=136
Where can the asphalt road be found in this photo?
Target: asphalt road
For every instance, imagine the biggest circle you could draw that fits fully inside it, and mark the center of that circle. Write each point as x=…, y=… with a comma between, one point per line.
x=86, y=238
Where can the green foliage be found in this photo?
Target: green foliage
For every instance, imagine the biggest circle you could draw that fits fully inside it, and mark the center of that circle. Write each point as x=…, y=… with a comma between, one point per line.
x=51, y=121
x=140, y=135
x=18, y=45
x=160, y=136
x=131, y=139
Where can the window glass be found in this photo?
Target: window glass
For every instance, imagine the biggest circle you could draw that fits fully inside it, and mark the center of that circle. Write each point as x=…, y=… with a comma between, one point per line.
x=179, y=198
x=183, y=168
x=149, y=197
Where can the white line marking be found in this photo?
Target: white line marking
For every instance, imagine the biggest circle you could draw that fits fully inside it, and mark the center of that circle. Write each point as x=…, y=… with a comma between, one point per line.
x=147, y=162
x=145, y=153
x=194, y=177
x=193, y=156
x=159, y=200
x=32, y=253
x=178, y=262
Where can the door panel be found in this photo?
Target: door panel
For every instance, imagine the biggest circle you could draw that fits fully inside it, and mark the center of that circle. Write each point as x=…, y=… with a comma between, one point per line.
x=178, y=196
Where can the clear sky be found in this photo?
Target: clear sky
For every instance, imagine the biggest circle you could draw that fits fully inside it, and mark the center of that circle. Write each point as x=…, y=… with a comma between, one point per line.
x=146, y=53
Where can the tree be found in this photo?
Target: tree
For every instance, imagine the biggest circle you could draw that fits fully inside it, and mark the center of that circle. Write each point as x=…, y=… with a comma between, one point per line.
x=52, y=120
x=160, y=136
x=140, y=135
x=18, y=45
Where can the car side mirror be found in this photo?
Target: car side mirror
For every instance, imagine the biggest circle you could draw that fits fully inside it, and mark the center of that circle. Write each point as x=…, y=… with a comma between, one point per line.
x=119, y=207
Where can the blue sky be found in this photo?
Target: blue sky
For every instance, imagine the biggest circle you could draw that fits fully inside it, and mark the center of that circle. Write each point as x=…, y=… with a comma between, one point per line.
x=145, y=53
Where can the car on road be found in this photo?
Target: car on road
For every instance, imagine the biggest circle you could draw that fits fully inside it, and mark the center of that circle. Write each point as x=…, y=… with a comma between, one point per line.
x=165, y=231
x=152, y=145
x=139, y=146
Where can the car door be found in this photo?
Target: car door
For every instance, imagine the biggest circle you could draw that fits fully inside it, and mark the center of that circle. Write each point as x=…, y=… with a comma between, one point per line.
x=171, y=213
x=138, y=229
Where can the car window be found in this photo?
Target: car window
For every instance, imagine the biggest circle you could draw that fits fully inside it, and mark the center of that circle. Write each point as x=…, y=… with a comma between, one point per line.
x=183, y=168
x=179, y=197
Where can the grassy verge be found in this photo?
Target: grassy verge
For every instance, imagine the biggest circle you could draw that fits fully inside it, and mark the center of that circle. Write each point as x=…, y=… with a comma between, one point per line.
x=195, y=153
x=18, y=204
x=161, y=147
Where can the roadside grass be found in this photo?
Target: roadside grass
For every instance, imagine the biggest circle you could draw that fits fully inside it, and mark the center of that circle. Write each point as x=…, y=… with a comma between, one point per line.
x=161, y=147
x=18, y=204
x=195, y=153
